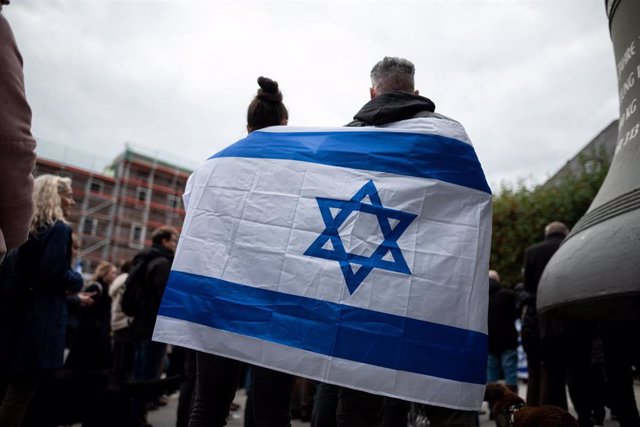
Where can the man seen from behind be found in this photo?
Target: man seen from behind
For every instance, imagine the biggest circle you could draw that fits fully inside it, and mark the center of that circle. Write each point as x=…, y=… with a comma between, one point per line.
x=395, y=103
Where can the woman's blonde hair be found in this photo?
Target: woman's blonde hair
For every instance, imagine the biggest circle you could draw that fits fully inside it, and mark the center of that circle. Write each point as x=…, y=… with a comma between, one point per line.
x=102, y=269
x=47, y=207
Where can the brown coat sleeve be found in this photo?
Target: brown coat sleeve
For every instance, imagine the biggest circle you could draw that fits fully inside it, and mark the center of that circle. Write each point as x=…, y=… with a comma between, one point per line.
x=17, y=156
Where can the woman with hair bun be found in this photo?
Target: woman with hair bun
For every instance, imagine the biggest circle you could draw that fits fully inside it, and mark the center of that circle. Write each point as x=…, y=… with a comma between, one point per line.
x=267, y=108
x=269, y=400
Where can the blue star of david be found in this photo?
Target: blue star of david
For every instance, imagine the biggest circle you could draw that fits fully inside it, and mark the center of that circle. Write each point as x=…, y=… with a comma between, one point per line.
x=388, y=246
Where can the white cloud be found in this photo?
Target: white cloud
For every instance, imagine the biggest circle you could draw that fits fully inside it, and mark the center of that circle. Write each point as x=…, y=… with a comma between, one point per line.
x=532, y=81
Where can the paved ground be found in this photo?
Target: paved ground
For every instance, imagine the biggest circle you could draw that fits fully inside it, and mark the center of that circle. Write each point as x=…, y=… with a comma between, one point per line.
x=166, y=416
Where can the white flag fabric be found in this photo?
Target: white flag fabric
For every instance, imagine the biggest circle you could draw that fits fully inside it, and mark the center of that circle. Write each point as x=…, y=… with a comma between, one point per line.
x=353, y=256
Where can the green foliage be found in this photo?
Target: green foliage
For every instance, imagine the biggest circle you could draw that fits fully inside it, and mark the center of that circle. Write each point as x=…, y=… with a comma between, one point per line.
x=520, y=215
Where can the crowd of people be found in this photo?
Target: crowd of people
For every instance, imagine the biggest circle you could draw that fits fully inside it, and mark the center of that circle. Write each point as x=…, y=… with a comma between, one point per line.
x=60, y=310
x=55, y=319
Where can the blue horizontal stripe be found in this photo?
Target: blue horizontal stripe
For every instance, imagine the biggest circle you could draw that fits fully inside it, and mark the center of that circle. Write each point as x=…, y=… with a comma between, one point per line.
x=412, y=154
x=331, y=329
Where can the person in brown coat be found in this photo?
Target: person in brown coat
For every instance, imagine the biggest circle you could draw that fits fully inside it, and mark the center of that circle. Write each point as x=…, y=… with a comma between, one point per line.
x=17, y=156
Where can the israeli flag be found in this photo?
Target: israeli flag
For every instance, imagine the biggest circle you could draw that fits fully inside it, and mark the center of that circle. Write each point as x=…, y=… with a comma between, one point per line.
x=353, y=256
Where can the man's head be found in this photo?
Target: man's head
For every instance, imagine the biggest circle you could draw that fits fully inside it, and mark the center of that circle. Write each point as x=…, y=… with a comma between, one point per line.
x=493, y=275
x=556, y=227
x=166, y=237
x=392, y=74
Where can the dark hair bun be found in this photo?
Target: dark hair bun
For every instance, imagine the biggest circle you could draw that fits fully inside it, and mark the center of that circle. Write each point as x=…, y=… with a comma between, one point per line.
x=268, y=90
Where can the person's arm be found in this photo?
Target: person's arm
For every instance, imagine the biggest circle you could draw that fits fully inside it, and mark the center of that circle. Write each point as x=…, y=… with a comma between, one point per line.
x=81, y=299
x=530, y=283
x=55, y=261
x=93, y=291
x=17, y=156
x=116, y=287
x=159, y=274
x=513, y=306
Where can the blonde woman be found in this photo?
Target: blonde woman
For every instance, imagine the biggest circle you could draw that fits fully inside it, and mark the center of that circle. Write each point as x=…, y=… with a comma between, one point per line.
x=91, y=350
x=32, y=325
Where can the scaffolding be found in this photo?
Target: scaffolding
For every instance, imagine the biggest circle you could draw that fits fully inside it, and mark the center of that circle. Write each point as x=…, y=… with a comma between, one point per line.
x=119, y=202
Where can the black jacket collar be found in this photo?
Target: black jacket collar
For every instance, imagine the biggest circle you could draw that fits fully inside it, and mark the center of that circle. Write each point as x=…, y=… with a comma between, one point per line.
x=392, y=107
x=494, y=286
x=555, y=236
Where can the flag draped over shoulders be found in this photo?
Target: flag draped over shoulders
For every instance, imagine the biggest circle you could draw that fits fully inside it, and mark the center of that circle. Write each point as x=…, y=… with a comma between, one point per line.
x=354, y=256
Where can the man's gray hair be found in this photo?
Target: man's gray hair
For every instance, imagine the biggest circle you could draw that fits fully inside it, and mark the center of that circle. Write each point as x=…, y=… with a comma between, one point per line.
x=393, y=73
x=556, y=227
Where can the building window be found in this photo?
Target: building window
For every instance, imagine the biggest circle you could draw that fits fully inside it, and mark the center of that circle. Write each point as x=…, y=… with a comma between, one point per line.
x=136, y=237
x=90, y=226
x=592, y=166
x=142, y=175
x=173, y=201
x=142, y=194
x=95, y=187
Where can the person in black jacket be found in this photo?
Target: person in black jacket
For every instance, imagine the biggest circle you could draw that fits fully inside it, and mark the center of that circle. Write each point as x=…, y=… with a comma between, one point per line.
x=394, y=103
x=564, y=344
x=503, y=337
x=536, y=258
x=149, y=354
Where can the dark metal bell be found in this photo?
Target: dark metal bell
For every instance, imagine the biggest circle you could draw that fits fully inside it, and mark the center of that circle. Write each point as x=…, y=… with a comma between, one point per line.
x=596, y=272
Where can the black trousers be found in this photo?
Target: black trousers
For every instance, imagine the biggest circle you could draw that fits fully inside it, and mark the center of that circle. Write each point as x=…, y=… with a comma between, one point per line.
x=325, y=404
x=360, y=409
x=534, y=366
x=216, y=383
x=16, y=392
x=621, y=351
x=566, y=361
x=187, y=389
x=124, y=351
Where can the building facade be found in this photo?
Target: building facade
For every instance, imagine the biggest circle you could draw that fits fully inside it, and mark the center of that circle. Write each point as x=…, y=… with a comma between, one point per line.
x=597, y=154
x=116, y=211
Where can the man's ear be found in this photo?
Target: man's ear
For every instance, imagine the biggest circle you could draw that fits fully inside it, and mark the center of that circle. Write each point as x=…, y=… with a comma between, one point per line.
x=417, y=92
x=372, y=92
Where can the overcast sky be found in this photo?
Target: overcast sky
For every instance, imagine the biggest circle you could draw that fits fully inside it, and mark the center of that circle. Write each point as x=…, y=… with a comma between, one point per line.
x=532, y=81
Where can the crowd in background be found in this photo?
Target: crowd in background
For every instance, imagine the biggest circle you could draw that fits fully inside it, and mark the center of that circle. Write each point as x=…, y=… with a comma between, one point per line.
x=596, y=362
x=79, y=325
x=52, y=318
